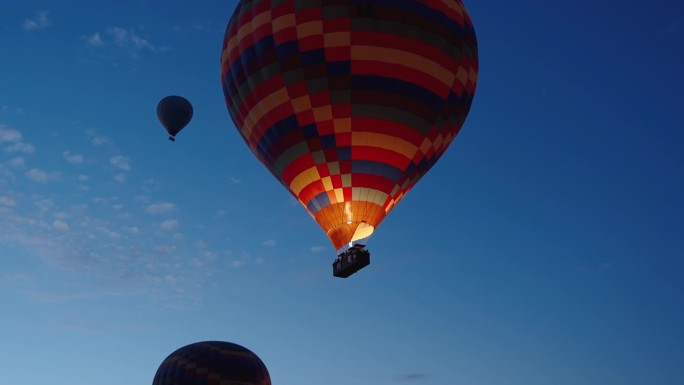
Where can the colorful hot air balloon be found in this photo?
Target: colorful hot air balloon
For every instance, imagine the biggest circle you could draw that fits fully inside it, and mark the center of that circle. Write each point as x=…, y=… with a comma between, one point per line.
x=349, y=103
x=212, y=362
x=174, y=113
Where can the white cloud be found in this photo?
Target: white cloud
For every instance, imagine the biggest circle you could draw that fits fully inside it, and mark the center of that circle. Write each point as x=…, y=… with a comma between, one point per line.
x=9, y=134
x=165, y=248
x=83, y=177
x=126, y=40
x=7, y=201
x=235, y=180
x=209, y=255
x=170, y=224
x=121, y=178
x=39, y=22
x=44, y=204
x=95, y=40
x=60, y=225
x=160, y=208
x=141, y=43
x=132, y=229
x=121, y=162
x=99, y=140
x=101, y=200
x=25, y=148
x=316, y=249
x=40, y=176
x=120, y=35
x=72, y=158
x=16, y=162
x=129, y=39
x=269, y=242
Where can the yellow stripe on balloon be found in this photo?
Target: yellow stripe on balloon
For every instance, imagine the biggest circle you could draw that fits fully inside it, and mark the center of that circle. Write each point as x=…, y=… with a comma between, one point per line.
x=304, y=179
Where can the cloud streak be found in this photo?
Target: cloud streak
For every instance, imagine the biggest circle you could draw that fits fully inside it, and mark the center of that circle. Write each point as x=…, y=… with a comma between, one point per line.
x=72, y=158
x=126, y=40
x=41, y=176
x=9, y=134
x=160, y=208
x=41, y=21
x=169, y=224
x=121, y=162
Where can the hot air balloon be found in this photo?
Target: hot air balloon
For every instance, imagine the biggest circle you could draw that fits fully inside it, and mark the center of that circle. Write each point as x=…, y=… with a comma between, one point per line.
x=212, y=362
x=174, y=113
x=348, y=103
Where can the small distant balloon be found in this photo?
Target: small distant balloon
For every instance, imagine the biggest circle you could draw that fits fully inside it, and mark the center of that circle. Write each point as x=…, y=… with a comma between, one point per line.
x=212, y=362
x=174, y=113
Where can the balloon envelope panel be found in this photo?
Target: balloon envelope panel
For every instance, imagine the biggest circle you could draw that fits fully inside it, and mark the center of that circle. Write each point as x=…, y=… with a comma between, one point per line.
x=349, y=103
x=212, y=363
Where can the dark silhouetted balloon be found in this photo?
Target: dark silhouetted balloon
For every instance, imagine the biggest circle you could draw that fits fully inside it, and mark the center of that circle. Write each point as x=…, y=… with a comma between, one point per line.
x=212, y=362
x=174, y=113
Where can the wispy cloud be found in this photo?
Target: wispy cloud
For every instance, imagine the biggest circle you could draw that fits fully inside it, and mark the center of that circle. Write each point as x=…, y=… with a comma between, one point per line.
x=17, y=161
x=101, y=244
x=72, y=158
x=97, y=139
x=12, y=139
x=60, y=225
x=126, y=40
x=169, y=224
x=95, y=40
x=120, y=178
x=41, y=176
x=121, y=162
x=21, y=147
x=269, y=242
x=41, y=21
x=8, y=134
x=7, y=201
x=316, y=249
x=160, y=208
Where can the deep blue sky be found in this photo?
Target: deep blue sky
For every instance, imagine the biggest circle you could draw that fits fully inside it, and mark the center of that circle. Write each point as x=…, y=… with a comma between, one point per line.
x=546, y=246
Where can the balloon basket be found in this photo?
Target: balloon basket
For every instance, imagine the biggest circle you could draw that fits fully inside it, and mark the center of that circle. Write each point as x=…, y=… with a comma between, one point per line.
x=350, y=261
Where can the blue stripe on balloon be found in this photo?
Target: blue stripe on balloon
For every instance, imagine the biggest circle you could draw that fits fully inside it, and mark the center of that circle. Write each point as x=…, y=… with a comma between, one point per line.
x=397, y=86
x=273, y=135
x=318, y=202
x=376, y=168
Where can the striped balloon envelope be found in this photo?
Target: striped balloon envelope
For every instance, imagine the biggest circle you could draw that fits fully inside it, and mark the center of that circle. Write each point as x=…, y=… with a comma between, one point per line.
x=349, y=103
x=212, y=363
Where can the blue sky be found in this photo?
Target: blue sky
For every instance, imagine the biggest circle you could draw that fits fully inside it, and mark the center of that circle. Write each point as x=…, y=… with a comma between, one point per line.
x=544, y=248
